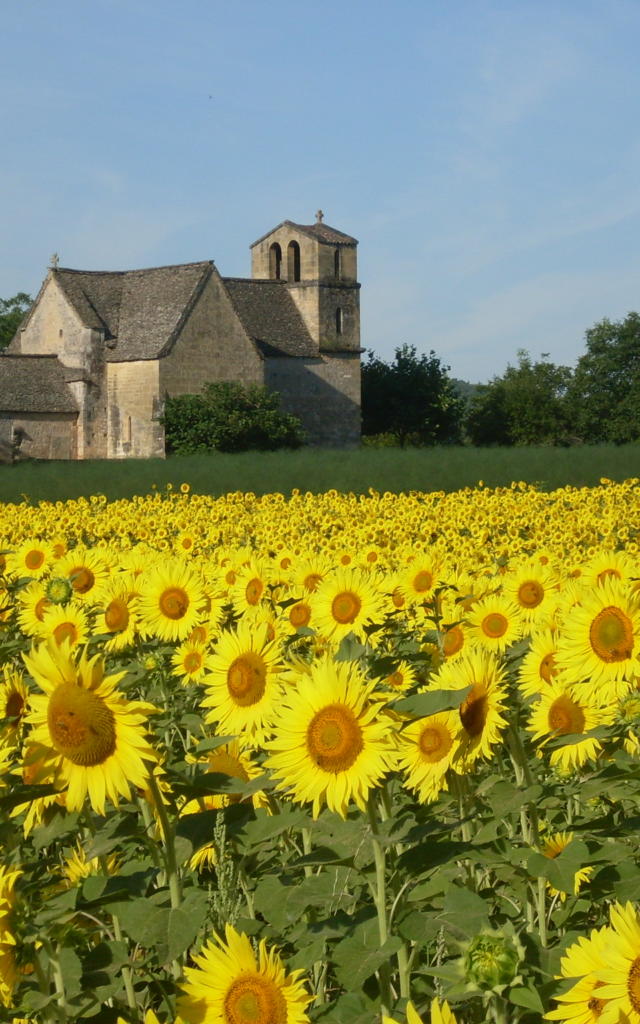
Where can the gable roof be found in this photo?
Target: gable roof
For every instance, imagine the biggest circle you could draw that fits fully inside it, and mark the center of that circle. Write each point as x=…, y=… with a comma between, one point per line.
x=270, y=316
x=140, y=311
x=320, y=231
x=30, y=383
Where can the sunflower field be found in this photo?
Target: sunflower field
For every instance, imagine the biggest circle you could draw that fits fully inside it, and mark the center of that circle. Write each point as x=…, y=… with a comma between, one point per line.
x=325, y=757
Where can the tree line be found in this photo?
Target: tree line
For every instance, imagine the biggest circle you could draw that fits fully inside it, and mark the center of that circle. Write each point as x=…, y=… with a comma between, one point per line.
x=413, y=400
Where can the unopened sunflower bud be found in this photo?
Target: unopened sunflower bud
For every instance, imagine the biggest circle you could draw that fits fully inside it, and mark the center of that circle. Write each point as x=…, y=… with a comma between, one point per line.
x=491, y=960
x=58, y=590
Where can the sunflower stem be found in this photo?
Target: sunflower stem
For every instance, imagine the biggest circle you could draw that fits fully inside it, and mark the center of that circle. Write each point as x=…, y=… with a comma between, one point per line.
x=58, y=981
x=384, y=977
x=500, y=1008
x=173, y=874
x=542, y=912
x=319, y=969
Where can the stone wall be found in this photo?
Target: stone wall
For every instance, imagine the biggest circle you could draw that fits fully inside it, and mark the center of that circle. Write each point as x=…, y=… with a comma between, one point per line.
x=54, y=328
x=134, y=408
x=324, y=393
x=212, y=346
x=47, y=435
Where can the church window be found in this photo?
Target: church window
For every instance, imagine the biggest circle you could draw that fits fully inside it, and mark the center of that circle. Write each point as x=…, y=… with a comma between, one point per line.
x=293, y=262
x=336, y=264
x=60, y=333
x=275, y=261
x=127, y=430
x=339, y=321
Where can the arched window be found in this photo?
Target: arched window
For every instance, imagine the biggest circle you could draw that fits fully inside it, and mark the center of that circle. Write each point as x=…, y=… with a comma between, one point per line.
x=293, y=262
x=339, y=321
x=336, y=264
x=275, y=261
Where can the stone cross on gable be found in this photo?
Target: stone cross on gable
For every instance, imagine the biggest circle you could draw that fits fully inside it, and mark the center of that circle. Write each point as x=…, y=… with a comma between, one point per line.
x=54, y=261
x=319, y=216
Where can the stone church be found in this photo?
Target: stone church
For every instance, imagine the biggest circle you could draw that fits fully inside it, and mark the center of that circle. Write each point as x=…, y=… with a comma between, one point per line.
x=87, y=373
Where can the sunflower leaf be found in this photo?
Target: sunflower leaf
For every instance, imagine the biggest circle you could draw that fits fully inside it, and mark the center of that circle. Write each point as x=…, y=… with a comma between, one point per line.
x=355, y=961
x=422, y=705
x=526, y=997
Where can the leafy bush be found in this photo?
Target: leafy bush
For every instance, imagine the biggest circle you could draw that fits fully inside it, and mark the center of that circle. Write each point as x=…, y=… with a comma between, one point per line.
x=229, y=417
x=412, y=398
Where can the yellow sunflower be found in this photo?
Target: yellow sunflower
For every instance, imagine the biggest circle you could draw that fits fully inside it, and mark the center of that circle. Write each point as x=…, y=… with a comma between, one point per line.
x=418, y=579
x=14, y=697
x=250, y=590
x=86, y=570
x=31, y=558
x=77, y=866
x=441, y=1013
x=345, y=602
x=538, y=668
x=583, y=1003
x=190, y=661
x=402, y=677
x=65, y=624
x=309, y=572
x=243, y=689
x=561, y=712
x=426, y=750
x=620, y=971
x=599, y=641
x=93, y=735
x=231, y=984
x=234, y=761
x=332, y=744
x=607, y=565
x=552, y=846
x=117, y=611
x=38, y=768
x=480, y=712
x=8, y=969
x=297, y=616
x=171, y=600
x=32, y=603
x=533, y=588
x=495, y=622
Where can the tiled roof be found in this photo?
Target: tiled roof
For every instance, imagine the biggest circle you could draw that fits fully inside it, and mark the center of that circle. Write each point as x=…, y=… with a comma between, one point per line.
x=320, y=231
x=140, y=311
x=270, y=316
x=34, y=384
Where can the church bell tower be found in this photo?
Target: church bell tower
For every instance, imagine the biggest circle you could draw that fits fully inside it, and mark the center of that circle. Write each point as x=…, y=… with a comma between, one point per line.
x=318, y=264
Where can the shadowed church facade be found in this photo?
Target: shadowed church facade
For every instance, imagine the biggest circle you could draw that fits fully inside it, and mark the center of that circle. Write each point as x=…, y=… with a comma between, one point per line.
x=88, y=372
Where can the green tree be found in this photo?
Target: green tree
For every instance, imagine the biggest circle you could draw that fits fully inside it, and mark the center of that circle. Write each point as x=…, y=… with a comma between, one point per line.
x=527, y=405
x=411, y=398
x=229, y=417
x=604, y=397
x=11, y=313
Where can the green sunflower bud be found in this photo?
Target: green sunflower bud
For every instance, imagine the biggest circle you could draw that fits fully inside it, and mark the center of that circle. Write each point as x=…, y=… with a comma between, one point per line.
x=58, y=590
x=152, y=662
x=491, y=960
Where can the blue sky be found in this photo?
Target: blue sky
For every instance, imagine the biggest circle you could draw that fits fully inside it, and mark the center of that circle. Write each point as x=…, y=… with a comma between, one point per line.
x=486, y=155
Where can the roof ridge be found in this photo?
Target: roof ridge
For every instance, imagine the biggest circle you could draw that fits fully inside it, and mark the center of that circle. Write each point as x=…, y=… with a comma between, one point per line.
x=135, y=270
x=257, y=280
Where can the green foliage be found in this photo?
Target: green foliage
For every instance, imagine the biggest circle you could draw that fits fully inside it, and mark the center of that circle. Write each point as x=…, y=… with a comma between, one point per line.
x=527, y=405
x=605, y=392
x=229, y=417
x=411, y=398
x=386, y=469
x=11, y=313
